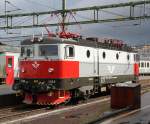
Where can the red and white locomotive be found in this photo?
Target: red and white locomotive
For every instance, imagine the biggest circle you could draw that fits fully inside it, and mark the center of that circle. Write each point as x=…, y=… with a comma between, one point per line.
x=54, y=70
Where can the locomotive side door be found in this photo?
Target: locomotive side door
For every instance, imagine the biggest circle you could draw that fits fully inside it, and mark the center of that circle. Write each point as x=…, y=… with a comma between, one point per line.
x=9, y=70
x=96, y=62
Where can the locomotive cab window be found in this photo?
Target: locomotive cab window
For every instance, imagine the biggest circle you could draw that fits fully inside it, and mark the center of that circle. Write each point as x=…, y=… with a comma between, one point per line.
x=27, y=51
x=22, y=51
x=70, y=51
x=48, y=50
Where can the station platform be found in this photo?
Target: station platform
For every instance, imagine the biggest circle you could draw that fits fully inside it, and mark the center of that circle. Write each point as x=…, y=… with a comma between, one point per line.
x=8, y=96
x=5, y=89
x=138, y=116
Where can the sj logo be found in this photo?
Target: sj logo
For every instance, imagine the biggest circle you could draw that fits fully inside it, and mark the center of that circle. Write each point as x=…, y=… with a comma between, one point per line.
x=111, y=69
x=35, y=65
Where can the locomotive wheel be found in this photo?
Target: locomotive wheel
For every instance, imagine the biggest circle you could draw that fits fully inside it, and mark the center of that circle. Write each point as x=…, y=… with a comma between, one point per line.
x=52, y=107
x=86, y=97
x=34, y=99
x=75, y=96
x=108, y=89
x=67, y=102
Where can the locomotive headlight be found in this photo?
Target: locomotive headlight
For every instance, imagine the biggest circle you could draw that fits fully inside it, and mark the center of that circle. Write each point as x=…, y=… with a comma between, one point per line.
x=22, y=70
x=23, y=81
x=35, y=81
x=50, y=70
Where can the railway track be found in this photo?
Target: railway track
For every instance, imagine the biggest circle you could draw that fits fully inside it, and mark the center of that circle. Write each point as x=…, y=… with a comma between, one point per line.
x=21, y=111
x=24, y=110
x=145, y=89
x=27, y=110
x=145, y=85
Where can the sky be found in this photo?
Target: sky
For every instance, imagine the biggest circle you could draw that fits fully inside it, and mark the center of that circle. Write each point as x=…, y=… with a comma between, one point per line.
x=133, y=32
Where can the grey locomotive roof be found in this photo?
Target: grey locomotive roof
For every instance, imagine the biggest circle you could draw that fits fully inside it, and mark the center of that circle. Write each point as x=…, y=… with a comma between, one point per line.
x=79, y=41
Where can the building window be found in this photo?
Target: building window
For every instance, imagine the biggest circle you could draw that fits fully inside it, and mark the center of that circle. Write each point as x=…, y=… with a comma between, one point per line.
x=104, y=55
x=88, y=53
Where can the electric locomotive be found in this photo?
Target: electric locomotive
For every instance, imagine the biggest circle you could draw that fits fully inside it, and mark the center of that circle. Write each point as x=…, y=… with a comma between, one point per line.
x=54, y=70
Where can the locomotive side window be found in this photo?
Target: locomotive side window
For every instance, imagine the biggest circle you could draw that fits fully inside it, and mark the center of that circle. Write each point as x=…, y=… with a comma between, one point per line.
x=70, y=51
x=48, y=50
x=128, y=57
x=88, y=53
x=117, y=56
x=104, y=55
